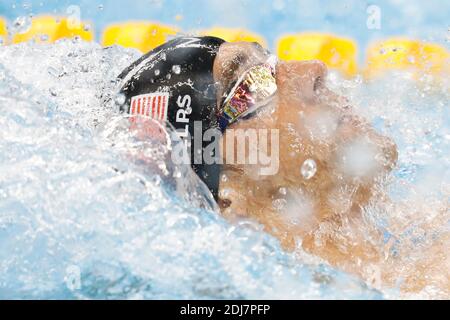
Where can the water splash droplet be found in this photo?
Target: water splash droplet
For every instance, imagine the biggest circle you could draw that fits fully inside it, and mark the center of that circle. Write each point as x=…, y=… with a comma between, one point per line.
x=53, y=92
x=176, y=69
x=53, y=72
x=224, y=193
x=308, y=169
x=76, y=39
x=120, y=99
x=279, y=204
x=22, y=24
x=84, y=68
x=177, y=174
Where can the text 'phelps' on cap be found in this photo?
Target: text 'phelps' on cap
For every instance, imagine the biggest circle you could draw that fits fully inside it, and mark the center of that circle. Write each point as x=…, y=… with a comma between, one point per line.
x=174, y=82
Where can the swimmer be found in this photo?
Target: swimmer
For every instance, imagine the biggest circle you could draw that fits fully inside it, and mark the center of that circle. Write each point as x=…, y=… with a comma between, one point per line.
x=329, y=161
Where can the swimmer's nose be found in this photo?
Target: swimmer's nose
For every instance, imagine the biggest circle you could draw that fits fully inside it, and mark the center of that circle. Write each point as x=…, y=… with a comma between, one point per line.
x=314, y=75
x=303, y=78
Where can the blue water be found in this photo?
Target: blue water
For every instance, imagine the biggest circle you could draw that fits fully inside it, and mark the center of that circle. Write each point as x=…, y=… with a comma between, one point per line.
x=81, y=218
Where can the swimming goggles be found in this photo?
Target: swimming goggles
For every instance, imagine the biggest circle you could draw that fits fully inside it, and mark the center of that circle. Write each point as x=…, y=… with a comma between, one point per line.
x=251, y=91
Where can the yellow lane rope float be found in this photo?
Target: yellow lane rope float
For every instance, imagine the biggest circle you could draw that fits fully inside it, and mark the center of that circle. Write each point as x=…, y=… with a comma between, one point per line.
x=3, y=31
x=336, y=52
x=406, y=55
x=140, y=35
x=48, y=29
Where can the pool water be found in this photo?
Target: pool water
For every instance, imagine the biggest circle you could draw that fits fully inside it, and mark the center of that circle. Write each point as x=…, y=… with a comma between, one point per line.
x=82, y=216
x=79, y=218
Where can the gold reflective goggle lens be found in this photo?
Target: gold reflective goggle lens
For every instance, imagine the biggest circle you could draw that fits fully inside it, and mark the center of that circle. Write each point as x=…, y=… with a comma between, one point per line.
x=252, y=90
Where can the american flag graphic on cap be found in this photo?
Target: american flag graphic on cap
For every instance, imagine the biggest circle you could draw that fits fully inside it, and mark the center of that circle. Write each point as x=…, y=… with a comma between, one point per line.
x=152, y=105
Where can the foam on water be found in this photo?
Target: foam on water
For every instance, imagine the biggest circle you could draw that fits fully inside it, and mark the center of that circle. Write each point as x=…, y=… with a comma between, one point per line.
x=82, y=216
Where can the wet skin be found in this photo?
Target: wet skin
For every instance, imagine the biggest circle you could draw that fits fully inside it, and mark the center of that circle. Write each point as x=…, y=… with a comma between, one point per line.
x=313, y=123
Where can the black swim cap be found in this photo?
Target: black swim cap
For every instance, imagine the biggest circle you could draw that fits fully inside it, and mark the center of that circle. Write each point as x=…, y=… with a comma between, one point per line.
x=172, y=80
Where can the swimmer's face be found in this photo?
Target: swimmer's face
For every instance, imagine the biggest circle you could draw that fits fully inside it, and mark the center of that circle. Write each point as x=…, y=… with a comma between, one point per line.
x=313, y=124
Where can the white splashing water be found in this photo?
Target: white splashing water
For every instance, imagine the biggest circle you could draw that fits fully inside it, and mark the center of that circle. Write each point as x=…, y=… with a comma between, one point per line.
x=82, y=215
x=308, y=169
x=357, y=158
x=416, y=223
